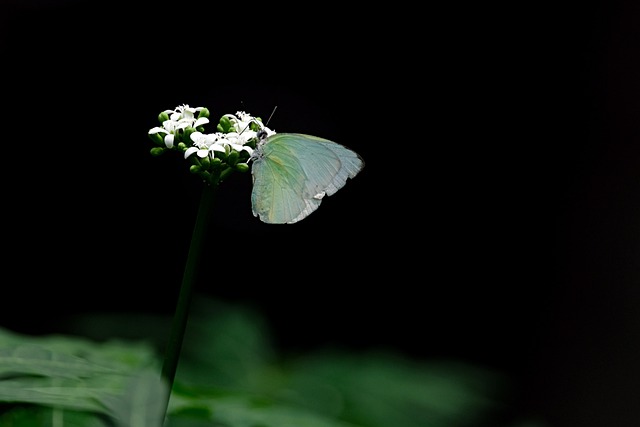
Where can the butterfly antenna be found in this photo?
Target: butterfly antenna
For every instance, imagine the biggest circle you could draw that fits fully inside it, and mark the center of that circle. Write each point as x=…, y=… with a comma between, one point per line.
x=271, y=115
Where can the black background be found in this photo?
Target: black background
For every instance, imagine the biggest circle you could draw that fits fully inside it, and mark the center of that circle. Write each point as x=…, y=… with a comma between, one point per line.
x=496, y=220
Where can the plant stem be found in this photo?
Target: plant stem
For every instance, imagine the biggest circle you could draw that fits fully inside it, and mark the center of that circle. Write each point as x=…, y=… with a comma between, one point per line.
x=179, y=324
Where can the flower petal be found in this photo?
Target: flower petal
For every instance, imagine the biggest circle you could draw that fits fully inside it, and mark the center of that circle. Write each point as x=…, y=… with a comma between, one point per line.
x=201, y=121
x=189, y=151
x=156, y=130
x=168, y=140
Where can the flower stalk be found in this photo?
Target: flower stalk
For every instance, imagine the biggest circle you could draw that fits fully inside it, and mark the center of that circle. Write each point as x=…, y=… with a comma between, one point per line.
x=180, y=318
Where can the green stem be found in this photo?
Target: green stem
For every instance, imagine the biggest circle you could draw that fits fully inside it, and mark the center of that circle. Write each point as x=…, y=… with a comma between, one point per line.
x=179, y=324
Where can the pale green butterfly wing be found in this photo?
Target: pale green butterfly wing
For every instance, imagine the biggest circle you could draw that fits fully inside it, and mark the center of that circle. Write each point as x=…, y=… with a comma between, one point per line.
x=293, y=172
x=279, y=184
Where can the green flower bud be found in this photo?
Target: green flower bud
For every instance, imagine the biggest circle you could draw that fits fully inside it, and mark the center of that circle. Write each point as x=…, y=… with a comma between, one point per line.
x=204, y=112
x=156, y=151
x=224, y=125
x=225, y=173
x=254, y=126
x=232, y=159
x=156, y=138
x=216, y=162
x=162, y=117
x=205, y=162
x=194, y=169
x=242, y=167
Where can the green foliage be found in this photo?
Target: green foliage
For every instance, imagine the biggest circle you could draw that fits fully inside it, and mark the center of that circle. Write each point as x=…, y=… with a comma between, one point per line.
x=42, y=416
x=230, y=375
x=79, y=380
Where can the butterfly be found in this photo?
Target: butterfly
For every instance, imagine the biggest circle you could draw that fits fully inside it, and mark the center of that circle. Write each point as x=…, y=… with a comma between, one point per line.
x=292, y=172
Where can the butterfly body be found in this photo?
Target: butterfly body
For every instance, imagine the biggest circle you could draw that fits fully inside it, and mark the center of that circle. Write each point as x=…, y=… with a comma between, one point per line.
x=292, y=172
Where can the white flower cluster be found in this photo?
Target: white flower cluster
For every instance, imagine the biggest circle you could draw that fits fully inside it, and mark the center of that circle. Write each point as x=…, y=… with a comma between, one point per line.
x=179, y=119
x=205, y=145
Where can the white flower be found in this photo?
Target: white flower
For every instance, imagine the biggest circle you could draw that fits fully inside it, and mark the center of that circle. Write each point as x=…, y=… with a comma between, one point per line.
x=236, y=140
x=241, y=121
x=180, y=118
x=203, y=144
x=187, y=114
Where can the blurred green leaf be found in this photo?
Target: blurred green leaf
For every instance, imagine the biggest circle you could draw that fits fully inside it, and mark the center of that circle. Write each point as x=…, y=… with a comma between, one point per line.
x=29, y=359
x=226, y=346
x=381, y=388
x=142, y=402
x=113, y=352
x=40, y=416
x=251, y=411
x=116, y=379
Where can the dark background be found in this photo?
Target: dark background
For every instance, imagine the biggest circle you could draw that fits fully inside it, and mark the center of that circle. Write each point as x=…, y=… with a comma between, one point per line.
x=496, y=220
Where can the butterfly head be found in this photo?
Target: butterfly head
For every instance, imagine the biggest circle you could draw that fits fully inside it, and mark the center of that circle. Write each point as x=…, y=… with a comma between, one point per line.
x=262, y=136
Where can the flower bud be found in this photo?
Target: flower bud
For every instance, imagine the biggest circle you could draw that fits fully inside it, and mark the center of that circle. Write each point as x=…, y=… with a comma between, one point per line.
x=156, y=138
x=242, y=167
x=224, y=125
x=203, y=113
x=254, y=126
x=232, y=159
x=225, y=173
x=163, y=117
x=156, y=151
x=194, y=168
x=205, y=162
